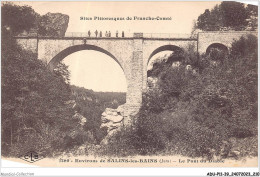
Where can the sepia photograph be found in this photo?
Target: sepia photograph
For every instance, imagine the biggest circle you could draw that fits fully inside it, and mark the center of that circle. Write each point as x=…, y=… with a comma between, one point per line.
x=129, y=84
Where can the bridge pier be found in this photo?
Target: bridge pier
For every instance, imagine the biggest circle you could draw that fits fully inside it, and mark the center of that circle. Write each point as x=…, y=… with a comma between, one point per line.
x=135, y=81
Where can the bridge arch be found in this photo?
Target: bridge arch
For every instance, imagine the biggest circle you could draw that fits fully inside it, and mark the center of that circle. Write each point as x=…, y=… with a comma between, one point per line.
x=173, y=48
x=76, y=48
x=64, y=53
x=219, y=46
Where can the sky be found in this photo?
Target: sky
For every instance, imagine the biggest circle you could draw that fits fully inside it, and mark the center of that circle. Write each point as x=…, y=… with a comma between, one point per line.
x=97, y=71
x=182, y=13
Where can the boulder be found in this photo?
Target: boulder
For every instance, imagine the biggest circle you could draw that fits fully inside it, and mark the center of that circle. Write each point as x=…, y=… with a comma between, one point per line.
x=176, y=64
x=82, y=120
x=152, y=82
x=121, y=109
x=115, y=119
x=111, y=115
x=112, y=118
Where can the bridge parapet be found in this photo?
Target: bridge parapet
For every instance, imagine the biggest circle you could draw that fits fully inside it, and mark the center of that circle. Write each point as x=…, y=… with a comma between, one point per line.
x=119, y=36
x=92, y=35
x=126, y=35
x=135, y=35
x=168, y=35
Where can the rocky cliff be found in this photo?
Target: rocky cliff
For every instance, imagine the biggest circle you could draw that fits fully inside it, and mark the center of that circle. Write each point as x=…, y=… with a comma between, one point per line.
x=112, y=120
x=53, y=24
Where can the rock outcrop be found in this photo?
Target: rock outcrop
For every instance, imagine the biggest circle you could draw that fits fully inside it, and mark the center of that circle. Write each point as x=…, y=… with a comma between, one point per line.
x=112, y=119
x=50, y=24
x=176, y=64
x=152, y=82
x=82, y=120
x=53, y=24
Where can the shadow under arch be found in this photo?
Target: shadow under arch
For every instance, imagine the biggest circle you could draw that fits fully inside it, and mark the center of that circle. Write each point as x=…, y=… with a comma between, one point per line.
x=218, y=46
x=173, y=48
x=64, y=53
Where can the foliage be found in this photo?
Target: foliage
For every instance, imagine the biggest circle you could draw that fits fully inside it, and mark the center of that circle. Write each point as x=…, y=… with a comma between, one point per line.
x=252, y=12
x=176, y=56
x=190, y=56
x=36, y=103
x=234, y=14
x=17, y=18
x=92, y=104
x=201, y=114
x=43, y=31
x=33, y=101
x=228, y=16
x=210, y=20
x=217, y=54
x=34, y=110
x=62, y=71
x=244, y=46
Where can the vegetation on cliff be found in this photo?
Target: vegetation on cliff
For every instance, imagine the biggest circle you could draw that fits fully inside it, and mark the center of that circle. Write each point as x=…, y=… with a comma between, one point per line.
x=24, y=20
x=34, y=113
x=92, y=104
x=36, y=103
x=208, y=113
x=228, y=16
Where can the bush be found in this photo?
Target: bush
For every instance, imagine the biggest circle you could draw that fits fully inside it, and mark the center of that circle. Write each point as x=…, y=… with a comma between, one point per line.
x=246, y=45
x=198, y=115
x=27, y=107
x=121, y=144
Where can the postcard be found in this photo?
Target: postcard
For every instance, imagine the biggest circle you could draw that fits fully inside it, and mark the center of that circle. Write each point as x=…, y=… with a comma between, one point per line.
x=129, y=84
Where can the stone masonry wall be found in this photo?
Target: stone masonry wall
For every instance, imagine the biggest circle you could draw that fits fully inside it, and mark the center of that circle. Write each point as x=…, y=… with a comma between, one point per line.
x=29, y=44
x=132, y=54
x=226, y=38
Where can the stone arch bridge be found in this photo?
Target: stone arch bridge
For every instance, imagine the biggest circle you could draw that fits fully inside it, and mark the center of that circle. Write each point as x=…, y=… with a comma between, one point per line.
x=131, y=53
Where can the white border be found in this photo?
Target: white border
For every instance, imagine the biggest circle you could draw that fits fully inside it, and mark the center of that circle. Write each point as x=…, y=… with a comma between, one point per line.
x=16, y=169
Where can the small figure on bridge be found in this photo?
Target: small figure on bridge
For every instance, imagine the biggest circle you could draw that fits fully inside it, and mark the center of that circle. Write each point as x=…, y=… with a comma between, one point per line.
x=109, y=34
x=123, y=34
x=100, y=34
x=96, y=32
x=89, y=33
x=116, y=33
x=106, y=34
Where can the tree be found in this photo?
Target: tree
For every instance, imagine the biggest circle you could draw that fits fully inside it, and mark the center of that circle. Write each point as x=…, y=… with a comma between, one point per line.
x=210, y=20
x=17, y=18
x=252, y=12
x=228, y=16
x=62, y=71
x=234, y=14
x=198, y=114
x=32, y=98
x=34, y=110
x=203, y=20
